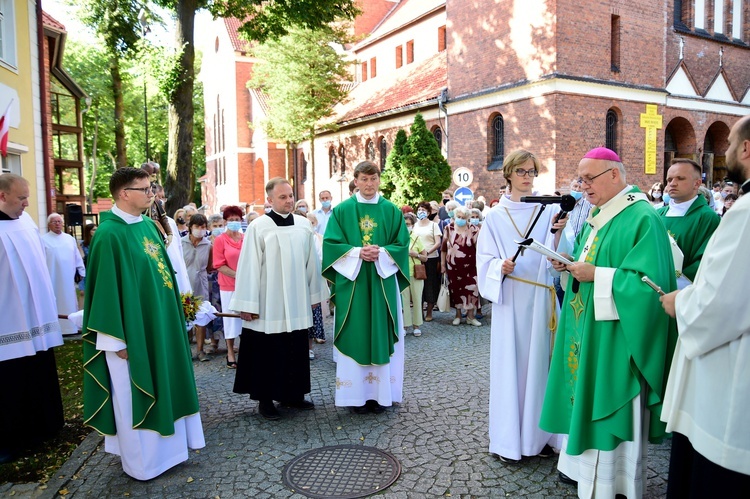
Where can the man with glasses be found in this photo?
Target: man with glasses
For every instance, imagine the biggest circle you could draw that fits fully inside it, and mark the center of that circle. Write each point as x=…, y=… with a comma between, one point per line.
x=523, y=314
x=614, y=343
x=138, y=386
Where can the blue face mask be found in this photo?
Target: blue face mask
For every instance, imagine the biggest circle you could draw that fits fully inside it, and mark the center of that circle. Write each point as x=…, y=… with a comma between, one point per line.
x=234, y=226
x=460, y=222
x=576, y=194
x=218, y=231
x=421, y=215
x=451, y=213
x=474, y=221
x=325, y=204
x=666, y=198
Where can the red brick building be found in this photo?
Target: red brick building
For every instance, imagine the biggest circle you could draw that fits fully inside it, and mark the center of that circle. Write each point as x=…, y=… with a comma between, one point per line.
x=557, y=77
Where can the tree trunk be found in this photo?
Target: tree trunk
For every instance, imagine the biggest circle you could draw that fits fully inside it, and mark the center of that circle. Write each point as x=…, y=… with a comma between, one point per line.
x=94, y=144
x=120, y=147
x=178, y=183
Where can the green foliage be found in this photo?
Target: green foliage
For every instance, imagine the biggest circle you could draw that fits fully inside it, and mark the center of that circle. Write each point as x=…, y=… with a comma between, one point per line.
x=424, y=172
x=116, y=21
x=302, y=75
x=393, y=165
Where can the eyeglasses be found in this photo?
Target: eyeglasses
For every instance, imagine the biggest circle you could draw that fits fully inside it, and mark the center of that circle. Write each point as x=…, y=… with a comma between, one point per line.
x=522, y=173
x=590, y=180
x=145, y=190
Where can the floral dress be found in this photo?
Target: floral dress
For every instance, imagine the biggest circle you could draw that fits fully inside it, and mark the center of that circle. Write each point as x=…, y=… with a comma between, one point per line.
x=461, y=266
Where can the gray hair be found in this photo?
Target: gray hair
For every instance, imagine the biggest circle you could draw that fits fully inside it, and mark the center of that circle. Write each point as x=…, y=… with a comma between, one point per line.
x=215, y=218
x=451, y=205
x=462, y=210
x=53, y=215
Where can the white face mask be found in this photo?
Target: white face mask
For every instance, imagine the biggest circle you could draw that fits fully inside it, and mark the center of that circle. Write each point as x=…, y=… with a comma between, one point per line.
x=198, y=233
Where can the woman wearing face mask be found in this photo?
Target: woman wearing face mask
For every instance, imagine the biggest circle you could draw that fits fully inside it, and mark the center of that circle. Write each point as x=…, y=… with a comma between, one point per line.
x=413, y=294
x=179, y=218
x=196, y=250
x=450, y=209
x=226, y=255
x=215, y=329
x=458, y=258
x=431, y=236
x=655, y=195
x=301, y=208
x=476, y=218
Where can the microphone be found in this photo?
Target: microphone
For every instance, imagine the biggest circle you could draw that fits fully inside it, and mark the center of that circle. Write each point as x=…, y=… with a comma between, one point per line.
x=563, y=201
x=567, y=204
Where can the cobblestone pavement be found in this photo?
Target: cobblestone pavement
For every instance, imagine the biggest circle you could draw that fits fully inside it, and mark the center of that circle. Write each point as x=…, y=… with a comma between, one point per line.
x=439, y=434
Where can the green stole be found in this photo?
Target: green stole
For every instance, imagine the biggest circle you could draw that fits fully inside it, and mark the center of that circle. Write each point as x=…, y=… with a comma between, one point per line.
x=692, y=232
x=366, y=325
x=598, y=366
x=132, y=295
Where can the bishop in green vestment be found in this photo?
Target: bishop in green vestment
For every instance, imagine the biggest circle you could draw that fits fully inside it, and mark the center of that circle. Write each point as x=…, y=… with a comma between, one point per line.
x=138, y=373
x=687, y=217
x=614, y=345
x=366, y=261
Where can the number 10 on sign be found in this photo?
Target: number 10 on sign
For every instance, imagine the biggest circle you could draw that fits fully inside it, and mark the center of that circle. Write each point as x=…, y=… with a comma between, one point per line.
x=463, y=177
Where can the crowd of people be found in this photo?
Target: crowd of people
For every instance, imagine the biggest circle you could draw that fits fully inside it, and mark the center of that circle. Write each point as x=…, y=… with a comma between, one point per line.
x=604, y=331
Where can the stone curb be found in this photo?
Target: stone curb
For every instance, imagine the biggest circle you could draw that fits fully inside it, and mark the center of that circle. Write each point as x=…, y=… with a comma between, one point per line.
x=80, y=455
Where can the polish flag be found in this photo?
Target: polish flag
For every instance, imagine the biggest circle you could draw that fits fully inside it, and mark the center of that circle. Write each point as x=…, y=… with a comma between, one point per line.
x=5, y=130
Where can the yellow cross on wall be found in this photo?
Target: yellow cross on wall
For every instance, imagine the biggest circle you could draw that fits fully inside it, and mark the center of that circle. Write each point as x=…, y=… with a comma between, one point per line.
x=651, y=120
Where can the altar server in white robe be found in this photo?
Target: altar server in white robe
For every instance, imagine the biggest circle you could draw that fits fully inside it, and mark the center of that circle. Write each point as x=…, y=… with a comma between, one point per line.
x=278, y=282
x=29, y=391
x=524, y=311
x=63, y=260
x=708, y=392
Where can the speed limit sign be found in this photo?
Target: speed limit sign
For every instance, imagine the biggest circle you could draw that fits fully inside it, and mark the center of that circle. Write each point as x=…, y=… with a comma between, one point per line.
x=463, y=177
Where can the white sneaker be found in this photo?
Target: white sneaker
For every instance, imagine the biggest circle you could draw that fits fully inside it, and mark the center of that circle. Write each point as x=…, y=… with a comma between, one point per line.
x=456, y=321
x=417, y=332
x=473, y=322
x=312, y=355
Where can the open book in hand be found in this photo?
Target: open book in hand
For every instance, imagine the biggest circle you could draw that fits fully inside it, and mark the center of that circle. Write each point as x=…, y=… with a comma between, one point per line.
x=540, y=248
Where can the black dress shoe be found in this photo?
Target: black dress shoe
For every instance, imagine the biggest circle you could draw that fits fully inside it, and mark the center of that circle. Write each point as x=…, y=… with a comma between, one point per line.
x=566, y=479
x=361, y=409
x=374, y=407
x=546, y=451
x=302, y=405
x=268, y=410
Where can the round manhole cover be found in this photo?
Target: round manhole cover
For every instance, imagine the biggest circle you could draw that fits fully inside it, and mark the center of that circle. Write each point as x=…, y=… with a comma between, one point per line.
x=341, y=471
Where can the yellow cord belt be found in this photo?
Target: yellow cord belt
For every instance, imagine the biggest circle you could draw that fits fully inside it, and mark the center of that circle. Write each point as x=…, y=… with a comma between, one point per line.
x=553, y=310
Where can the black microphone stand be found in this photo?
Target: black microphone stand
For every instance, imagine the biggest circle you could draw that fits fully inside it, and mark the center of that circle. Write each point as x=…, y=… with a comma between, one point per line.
x=528, y=233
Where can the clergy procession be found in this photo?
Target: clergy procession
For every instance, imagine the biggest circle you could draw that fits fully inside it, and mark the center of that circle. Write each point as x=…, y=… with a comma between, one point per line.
x=617, y=320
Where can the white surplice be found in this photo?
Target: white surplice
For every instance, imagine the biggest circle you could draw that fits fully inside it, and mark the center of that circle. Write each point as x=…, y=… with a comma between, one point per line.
x=355, y=383
x=520, y=335
x=708, y=392
x=145, y=454
x=63, y=259
x=284, y=304
x=32, y=325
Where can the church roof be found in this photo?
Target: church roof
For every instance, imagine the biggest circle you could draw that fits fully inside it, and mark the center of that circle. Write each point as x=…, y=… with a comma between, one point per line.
x=233, y=30
x=405, y=13
x=392, y=92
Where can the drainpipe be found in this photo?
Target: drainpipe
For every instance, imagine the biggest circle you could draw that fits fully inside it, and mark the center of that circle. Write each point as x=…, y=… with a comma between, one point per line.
x=43, y=107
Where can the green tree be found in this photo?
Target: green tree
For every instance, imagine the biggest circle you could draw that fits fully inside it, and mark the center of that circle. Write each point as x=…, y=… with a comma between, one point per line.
x=393, y=165
x=424, y=172
x=116, y=22
x=302, y=75
x=264, y=20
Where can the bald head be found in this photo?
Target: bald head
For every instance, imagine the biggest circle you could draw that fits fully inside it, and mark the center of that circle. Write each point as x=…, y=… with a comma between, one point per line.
x=14, y=194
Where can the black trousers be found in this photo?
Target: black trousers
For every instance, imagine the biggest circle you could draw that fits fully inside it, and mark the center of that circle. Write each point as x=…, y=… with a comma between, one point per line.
x=693, y=476
x=273, y=366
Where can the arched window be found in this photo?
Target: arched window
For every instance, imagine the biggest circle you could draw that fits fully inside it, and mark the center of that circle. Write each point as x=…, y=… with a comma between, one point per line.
x=370, y=150
x=437, y=132
x=497, y=143
x=342, y=159
x=611, y=139
x=332, y=163
x=383, y=146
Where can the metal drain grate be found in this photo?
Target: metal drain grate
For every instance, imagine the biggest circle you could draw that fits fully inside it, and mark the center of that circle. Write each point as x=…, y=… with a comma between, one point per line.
x=341, y=471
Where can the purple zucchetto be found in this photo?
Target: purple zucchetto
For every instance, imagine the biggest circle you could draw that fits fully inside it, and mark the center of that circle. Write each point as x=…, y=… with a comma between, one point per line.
x=603, y=153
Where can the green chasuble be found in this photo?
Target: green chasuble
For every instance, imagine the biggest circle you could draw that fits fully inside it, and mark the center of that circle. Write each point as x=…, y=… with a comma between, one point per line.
x=366, y=308
x=132, y=295
x=599, y=366
x=692, y=232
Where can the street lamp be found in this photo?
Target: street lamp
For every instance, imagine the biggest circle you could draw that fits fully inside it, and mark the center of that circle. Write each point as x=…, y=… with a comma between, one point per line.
x=145, y=29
